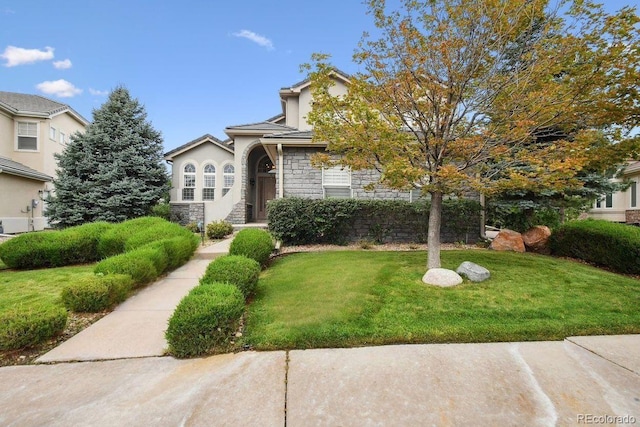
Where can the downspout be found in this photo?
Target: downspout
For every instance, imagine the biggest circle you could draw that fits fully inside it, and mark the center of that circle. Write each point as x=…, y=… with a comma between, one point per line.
x=280, y=172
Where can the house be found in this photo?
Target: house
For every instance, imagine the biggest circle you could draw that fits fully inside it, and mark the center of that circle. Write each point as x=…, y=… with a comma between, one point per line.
x=32, y=130
x=233, y=179
x=622, y=206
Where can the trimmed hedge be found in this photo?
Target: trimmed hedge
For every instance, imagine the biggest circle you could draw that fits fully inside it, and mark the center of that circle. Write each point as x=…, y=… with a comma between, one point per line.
x=236, y=270
x=136, y=264
x=609, y=244
x=253, y=243
x=298, y=221
x=75, y=245
x=204, y=319
x=219, y=229
x=96, y=293
x=28, y=326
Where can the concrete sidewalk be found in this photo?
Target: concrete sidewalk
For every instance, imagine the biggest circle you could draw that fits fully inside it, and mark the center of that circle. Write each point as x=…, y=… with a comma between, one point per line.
x=136, y=327
x=582, y=380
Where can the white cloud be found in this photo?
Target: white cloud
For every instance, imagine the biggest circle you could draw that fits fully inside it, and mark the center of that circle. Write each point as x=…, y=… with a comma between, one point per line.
x=256, y=38
x=19, y=56
x=62, y=65
x=97, y=92
x=60, y=88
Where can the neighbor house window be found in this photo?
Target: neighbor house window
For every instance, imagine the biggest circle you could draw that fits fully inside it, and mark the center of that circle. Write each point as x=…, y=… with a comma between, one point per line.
x=63, y=138
x=28, y=136
x=634, y=194
x=229, y=178
x=52, y=133
x=608, y=201
x=209, y=182
x=189, y=182
x=336, y=182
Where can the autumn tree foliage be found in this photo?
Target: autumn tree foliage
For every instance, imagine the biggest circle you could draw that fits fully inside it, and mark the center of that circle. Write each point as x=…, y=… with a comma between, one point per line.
x=489, y=95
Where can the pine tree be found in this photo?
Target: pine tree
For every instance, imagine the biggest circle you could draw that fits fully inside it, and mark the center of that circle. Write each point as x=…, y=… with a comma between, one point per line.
x=113, y=171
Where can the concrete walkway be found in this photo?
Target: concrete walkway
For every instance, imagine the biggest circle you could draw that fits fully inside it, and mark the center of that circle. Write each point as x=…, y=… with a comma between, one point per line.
x=584, y=380
x=136, y=327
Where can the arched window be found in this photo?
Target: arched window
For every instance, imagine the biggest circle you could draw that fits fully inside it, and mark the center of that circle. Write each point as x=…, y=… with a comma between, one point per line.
x=229, y=177
x=188, y=182
x=265, y=165
x=209, y=182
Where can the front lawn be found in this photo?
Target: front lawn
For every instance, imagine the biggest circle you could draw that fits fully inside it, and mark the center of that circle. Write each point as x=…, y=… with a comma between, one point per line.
x=342, y=299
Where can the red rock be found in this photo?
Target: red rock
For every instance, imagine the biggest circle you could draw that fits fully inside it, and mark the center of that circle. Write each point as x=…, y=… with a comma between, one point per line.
x=537, y=238
x=508, y=240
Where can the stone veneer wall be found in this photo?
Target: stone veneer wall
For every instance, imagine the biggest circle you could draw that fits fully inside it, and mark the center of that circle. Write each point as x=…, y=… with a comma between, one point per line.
x=185, y=213
x=633, y=216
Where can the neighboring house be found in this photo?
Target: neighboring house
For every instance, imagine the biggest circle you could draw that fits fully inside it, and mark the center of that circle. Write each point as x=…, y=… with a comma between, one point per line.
x=622, y=206
x=32, y=130
x=235, y=178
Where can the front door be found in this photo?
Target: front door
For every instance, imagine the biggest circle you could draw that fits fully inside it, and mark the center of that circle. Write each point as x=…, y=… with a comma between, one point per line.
x=266, y=192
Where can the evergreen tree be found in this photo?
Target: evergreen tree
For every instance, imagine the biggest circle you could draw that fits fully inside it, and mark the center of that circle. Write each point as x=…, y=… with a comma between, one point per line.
x=113, y=171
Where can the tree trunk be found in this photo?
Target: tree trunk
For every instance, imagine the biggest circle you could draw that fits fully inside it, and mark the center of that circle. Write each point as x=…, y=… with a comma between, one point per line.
x=433, y=236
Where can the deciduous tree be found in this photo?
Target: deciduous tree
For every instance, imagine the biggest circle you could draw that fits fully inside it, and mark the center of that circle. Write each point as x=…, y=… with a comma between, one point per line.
x=489, y=95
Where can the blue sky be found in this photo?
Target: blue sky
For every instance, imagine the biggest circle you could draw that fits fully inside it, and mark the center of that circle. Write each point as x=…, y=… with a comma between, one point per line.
x=197, y=66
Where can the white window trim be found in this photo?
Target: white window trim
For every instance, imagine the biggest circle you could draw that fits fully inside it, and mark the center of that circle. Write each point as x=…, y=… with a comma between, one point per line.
x=326, y=184
x=204, y=179
x=63, y=137
x=183, y=174
x=53, y=133
x=17, y=127
x=225, y=175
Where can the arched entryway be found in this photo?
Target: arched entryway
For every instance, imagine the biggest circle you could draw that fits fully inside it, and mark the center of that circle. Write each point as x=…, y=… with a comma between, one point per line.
x=262, y=184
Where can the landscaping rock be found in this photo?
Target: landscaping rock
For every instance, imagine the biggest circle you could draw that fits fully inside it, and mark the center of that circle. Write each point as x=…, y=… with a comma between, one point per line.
x=441, y=277
x=508, y=240
x=473, y=272
x=536, y=239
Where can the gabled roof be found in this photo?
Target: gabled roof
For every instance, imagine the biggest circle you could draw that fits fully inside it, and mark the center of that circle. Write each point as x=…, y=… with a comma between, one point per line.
x=268, y=126
x=297, y=134
x=207, y=138
x=632, y=168
x=21, y=104
x=341, y=75
x=14, y=168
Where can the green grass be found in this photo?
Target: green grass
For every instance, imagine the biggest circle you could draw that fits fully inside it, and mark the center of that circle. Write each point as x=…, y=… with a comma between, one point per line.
x=37, y=286
x=343, y=299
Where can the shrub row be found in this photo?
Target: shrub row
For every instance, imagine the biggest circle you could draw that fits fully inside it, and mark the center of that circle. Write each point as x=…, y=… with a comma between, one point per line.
x=208, y=316
x=299, y=221
x=96, y=293
x=74, y=245
x=609, y=244
x=28, y=326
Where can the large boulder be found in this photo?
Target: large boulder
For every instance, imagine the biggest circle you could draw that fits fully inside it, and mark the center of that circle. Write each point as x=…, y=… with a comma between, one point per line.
x=473, y=272
x=536, y=239
x=441, y=277
x=508, y=240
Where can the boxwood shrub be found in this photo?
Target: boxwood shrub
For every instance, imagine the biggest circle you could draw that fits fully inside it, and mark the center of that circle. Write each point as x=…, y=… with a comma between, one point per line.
x=609, y=244
x=253, y=243
x=24, y=326
x=236, y=270
x=204, y=319
x=127, y=235
x=136, y=264
x=96, y=293
x=219, y=229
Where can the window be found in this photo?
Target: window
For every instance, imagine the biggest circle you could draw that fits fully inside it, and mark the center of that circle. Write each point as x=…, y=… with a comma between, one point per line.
x=63, y=138
x=336, y=182
x=52, y=133
x=634, y=194
x=28, y=136
x=209, y=182
x=608, y=201
x=229, y=178
x=189, y=182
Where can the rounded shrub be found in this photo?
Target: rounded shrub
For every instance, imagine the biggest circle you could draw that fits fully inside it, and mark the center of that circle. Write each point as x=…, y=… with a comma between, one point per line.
x=96, y=293
x=219, y=229
x=609, y=244
x=253, y=243
x=29, y=326
x=204, y=319
x=236, y=270
x=114, y=241
x=140, y=268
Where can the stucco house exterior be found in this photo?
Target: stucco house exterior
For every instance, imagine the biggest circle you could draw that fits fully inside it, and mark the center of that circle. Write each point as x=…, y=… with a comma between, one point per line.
x=622, y=206
x=32, y=130
x=233, y=179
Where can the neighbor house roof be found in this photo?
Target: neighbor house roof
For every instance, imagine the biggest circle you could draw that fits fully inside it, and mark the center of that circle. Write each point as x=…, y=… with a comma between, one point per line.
x=268, y=126
x=21, y=104
x=207, y=138
x=337, y=72
x=297, y=134
x=14, y=168
x=632, y=167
